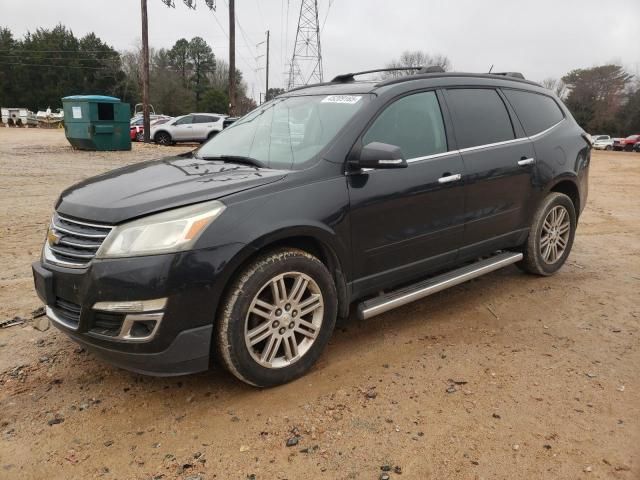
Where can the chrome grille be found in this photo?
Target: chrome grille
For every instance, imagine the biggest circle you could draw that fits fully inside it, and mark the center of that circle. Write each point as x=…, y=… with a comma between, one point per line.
x=72, y=243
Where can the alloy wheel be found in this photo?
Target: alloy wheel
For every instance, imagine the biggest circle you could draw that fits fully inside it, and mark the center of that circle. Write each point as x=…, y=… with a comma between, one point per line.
x=555, y=234
x=284, y=320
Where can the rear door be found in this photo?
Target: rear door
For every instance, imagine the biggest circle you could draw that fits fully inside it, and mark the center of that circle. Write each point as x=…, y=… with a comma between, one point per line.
x=499, y=161
x=407, y=222
x=183, y=128
x=203, y=125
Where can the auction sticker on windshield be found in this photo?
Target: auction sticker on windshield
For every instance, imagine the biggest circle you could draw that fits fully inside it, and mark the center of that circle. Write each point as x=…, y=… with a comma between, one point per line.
x=348, y=99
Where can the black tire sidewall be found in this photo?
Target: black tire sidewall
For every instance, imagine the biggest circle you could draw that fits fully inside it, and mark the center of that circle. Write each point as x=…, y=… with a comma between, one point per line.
x=160, y=136
x=554, y=199
x=243, y=363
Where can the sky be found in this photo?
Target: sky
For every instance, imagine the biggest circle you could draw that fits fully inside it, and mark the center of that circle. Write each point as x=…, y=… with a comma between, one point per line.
x=541, y=38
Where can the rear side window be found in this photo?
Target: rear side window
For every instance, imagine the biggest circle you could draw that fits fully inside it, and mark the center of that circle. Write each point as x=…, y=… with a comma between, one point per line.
x=413, y=123
x=205, y=119
x=536, y=112
x=480, y=117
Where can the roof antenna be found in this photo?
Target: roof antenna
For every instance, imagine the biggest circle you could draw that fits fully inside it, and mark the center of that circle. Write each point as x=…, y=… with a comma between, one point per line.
x=491, y=68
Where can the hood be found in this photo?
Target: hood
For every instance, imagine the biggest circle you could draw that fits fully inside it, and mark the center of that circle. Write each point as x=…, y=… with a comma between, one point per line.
x=150, y=187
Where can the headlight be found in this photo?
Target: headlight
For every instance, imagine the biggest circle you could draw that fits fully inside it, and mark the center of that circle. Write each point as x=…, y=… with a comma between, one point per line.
x=170, y=231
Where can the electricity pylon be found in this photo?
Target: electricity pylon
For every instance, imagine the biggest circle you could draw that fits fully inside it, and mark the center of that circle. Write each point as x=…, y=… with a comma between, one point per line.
x=306, y=62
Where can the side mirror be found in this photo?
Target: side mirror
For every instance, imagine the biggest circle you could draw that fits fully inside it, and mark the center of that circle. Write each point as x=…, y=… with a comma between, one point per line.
x=379, y=155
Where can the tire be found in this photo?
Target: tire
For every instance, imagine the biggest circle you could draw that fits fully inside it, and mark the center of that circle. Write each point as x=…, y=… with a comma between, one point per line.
x=246, y=340
x=140, y=137
x=608, y=148
x=544, y=230
x=162, y=138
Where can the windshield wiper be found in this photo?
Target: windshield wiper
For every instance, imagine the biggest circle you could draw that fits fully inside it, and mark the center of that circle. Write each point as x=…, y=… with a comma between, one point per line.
x=236, y=159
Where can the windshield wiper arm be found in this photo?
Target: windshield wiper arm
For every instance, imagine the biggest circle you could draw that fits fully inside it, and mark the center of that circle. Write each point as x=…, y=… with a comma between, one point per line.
x=236, y=159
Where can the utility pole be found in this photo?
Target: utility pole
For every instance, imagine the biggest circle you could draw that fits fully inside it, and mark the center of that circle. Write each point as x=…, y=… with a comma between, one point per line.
x=232, y=58
x=266, y=91
x=145, y=72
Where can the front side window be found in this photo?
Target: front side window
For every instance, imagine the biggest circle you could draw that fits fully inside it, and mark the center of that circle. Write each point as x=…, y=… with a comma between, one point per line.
x=413, y=123
x=184, y=120
x=286, y=132
x=536, y=112
x=480, y=117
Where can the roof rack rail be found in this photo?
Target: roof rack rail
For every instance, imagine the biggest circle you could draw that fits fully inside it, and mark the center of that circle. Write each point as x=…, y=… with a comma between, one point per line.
x=510, y=74
x=350, y=77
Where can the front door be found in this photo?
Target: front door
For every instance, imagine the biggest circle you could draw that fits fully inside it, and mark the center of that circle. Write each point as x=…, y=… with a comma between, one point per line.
x=407, y=222
x=183, y=129
x=499, y=162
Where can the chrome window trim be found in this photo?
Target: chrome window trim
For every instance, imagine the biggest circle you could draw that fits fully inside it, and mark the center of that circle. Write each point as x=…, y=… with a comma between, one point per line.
x=544, y=132
x=491, y=145
x=430, y=157
x=470, y=149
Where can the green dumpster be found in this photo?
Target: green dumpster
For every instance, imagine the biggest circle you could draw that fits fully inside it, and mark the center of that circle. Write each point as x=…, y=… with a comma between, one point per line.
x=96, y=122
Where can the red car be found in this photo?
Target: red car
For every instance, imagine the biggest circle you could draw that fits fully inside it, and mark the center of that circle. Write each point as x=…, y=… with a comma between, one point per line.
x=136, y=129
x=626, y=144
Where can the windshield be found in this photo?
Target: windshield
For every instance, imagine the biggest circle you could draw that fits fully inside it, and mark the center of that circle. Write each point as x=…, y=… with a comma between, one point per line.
x=285, y=133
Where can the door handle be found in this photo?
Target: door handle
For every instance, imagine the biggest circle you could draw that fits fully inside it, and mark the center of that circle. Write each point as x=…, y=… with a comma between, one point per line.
x=526, y=161
x=450, y=178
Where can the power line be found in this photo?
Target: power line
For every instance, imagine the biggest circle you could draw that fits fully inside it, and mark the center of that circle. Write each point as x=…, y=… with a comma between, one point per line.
x=326, y=16
x=54, y=66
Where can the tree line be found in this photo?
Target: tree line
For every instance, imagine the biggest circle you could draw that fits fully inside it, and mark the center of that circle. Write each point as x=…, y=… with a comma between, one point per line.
x=36, y=71
x=604, y=99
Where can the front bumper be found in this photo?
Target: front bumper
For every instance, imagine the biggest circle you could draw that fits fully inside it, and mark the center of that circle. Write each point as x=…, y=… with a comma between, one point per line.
x=191, y=281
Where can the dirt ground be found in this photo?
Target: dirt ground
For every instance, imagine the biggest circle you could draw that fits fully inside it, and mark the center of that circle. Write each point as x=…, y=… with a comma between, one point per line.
x=508, y=376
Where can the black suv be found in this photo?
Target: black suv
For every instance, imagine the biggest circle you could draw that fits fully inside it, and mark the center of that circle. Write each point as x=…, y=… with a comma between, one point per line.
x=363, y=193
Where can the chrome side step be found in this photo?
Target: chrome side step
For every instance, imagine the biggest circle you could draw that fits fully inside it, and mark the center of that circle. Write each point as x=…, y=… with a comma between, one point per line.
x=389, y=301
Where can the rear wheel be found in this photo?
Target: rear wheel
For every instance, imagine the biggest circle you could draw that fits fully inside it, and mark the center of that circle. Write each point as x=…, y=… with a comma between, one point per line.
x=163, y=138
x=608, y=148
x=277, y=318
x=140, y=137
x=550, y=236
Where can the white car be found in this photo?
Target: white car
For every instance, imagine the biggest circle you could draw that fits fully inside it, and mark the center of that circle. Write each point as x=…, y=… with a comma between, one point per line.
x=602, y=142
x=194, y=127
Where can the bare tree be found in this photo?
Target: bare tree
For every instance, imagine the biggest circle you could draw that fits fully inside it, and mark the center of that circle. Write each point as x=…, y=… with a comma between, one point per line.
x=416, y=58
x=556, y=85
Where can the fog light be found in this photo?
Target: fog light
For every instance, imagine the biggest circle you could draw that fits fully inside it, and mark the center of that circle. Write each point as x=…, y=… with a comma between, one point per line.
x=133, y=306
x=140, y=327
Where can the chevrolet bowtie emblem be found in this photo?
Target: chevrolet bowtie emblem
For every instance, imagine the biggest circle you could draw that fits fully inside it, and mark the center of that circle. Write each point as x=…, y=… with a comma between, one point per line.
x=53, y=238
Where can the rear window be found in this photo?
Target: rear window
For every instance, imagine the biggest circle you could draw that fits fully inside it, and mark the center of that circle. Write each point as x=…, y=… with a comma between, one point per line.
x=480, y=117
x=536, y=112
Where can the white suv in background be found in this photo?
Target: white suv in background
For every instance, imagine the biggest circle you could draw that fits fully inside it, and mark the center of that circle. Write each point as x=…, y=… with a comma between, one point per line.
x=602, y=142
x=194, y=127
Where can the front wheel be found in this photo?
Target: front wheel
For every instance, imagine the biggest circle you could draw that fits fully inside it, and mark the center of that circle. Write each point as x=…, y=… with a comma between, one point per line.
x=140, y=137
x=277, y=318
x=550, y=236
x=163, y=138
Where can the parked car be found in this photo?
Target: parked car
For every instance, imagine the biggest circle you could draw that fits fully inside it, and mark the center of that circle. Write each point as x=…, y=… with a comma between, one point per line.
x=248, y=249
x=626, y=144
x=228, y=121
x=195, y=127
x=602, y=142
x=137, y=126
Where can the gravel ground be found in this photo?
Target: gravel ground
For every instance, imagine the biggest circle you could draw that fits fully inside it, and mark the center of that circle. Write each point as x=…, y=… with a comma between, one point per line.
x=507, y=376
